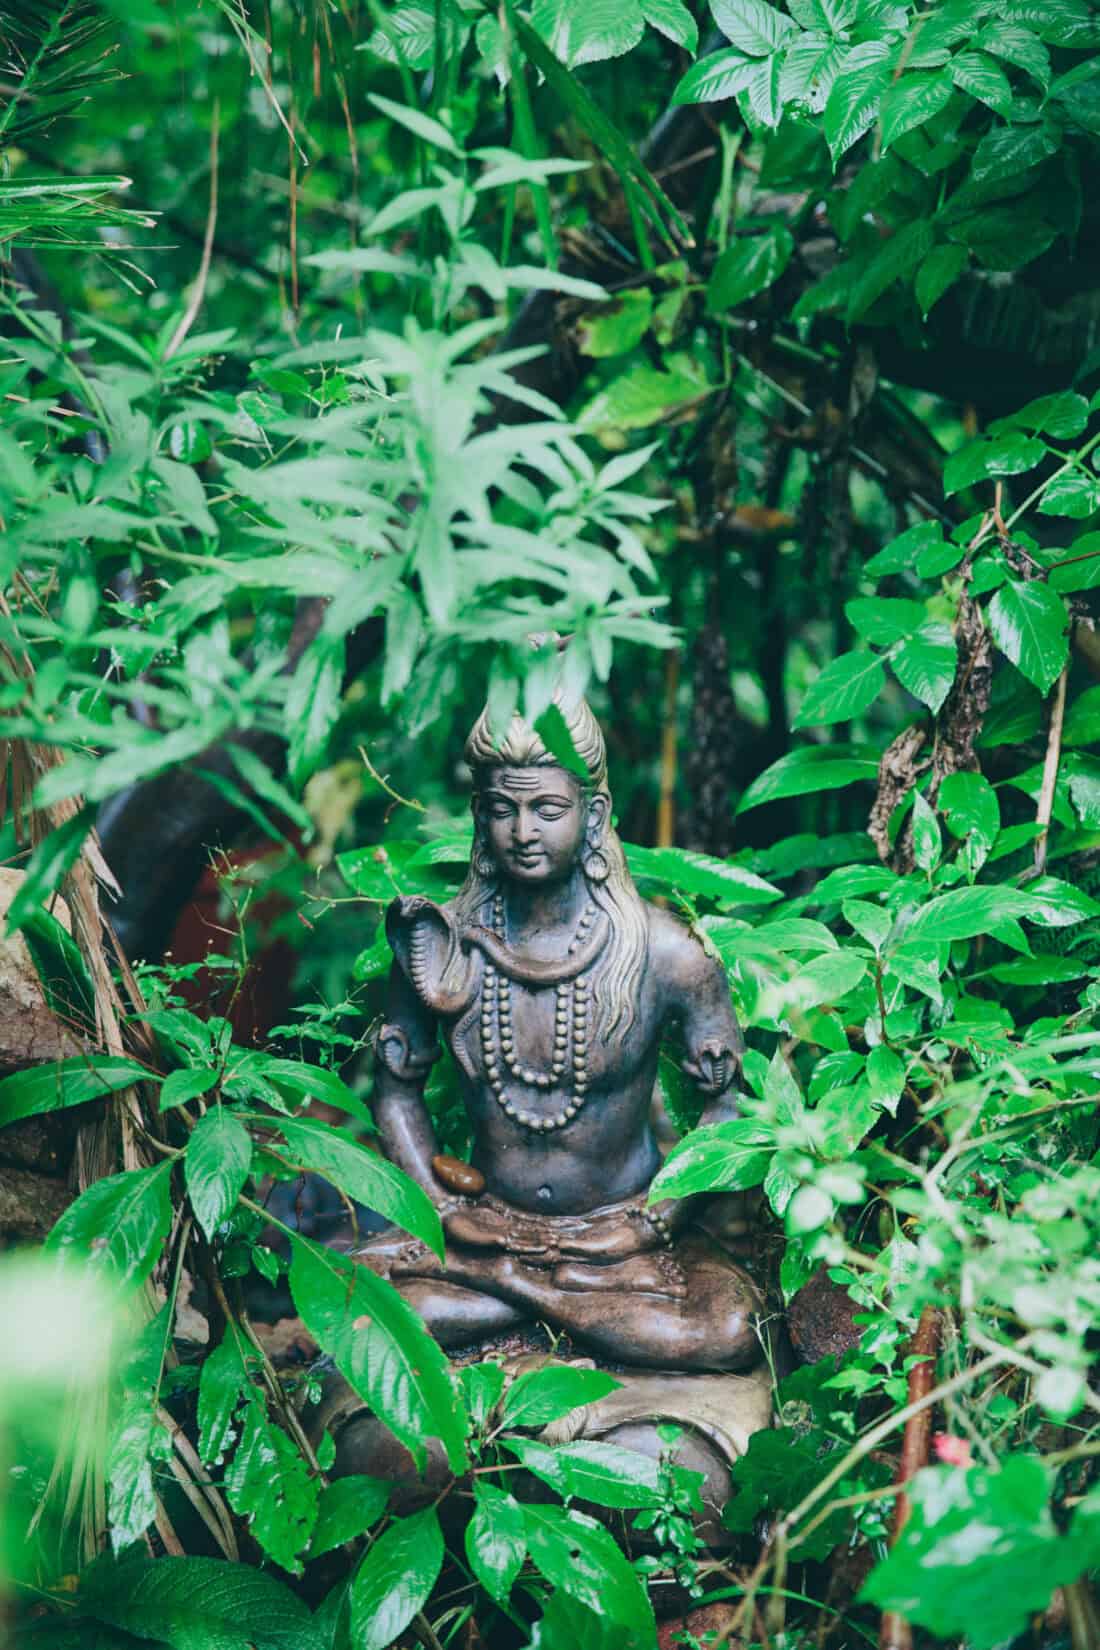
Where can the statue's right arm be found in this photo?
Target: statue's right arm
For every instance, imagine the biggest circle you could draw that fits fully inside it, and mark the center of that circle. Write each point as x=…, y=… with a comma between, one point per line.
x=405, y=1050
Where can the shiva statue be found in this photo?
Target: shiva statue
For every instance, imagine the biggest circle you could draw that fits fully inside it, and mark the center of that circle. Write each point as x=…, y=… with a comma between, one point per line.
x=553, y=984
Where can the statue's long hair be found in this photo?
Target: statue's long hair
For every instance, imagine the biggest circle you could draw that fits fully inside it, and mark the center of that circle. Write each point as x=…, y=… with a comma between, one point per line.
x=616, y=976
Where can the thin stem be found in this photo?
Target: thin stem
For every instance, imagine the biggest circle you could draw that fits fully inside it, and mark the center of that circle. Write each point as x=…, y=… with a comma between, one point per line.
x=1050, y=770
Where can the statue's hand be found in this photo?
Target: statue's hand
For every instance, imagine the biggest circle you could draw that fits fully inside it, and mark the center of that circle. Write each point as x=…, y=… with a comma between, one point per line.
x=489, y=1225
x=612, y=1239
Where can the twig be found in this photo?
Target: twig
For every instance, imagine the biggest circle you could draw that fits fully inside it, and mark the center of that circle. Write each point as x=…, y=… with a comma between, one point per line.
x=1050, y=770
x=666, y=805
x=198, y=291
x=380, y=779
x=895, y=1632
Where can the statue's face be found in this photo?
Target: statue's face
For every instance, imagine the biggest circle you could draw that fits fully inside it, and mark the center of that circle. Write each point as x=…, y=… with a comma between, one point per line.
x=534, y=821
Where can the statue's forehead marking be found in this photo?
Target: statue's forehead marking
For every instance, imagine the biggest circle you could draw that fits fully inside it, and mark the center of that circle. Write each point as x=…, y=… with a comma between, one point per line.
x=530, y=779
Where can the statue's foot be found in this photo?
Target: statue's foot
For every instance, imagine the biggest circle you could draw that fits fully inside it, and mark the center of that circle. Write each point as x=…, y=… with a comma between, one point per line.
x=649, y=1274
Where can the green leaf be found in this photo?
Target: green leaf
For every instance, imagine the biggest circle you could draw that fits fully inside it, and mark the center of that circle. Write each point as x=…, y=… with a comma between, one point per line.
x=749, y=266
x=902, y=552
x=723, y=1157
x=222, y=1383
x=269, y=1482
x=395, y=1580
x=313, y=704
x=219, y=1155
x=61, y=1083
x=381, y=1347
x=826, y=979
x=590, y=1470
x=119, y=1224
x=553, y=730
x=347, y=1507
x=938, y=271
x=931, y=1577
x=1009, y=151
x=854, y=101
x=640, y=397
x=912, y=100
x=132, y=1502
x=808, y=769
x=843, y=689
x=885, y=1078
x=978, y=74
x=1029, y=623
x=365, y=1176
x=61, y=969
x=543, y=1395
x=926, y=664
x=421, y=125
x=927, y=845
x=614, y=328
x=587, y=31
x=1075, y=494
x=885, y=620
x=965, y=913
x=751, y=26
x=672, y=19
x=1061, y=415
x=715, y=78
x=699, y=874
x=579, y=1556
x=180, y=1086
x=198, y=1604
x=1007, y=455
x=969, y=805
x=496, y=1540
x=1061, y=22
x=45, y=869
x=1018, y=46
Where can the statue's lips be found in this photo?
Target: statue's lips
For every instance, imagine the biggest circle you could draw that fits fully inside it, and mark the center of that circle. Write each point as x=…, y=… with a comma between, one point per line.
x=527, y=860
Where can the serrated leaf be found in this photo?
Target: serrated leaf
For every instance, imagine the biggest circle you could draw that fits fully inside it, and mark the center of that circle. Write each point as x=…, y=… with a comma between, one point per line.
x=854, y=101
x=119, y=1224
x=843, y=689
x=926, y=664
x=1029, y=623
x=751, y=26
x=714, y=78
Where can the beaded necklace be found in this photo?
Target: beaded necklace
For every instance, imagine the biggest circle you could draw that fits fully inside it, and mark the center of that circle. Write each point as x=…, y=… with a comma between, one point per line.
x=498, y=1044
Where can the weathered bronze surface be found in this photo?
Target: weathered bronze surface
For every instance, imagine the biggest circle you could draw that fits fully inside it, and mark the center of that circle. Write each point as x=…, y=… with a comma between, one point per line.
x=554, y=983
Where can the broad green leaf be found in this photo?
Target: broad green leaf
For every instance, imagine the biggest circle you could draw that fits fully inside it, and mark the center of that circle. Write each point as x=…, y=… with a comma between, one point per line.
x=885, y=620
x=939, y=271
x=496, y=1539
x=869, y=921
x=808, y=769
x=365, y=1176
x=222, y=1383
x=313, y=704
x=1075, y=494
x=347, y=1507
x=809, y=68
x=1062, y=415
x=825, y=979
x=119, y=1224
x=1007, y=455
x=854, y=101
x=381, y=1347
x=641, y=397
x=885, y=1077
x=1018, y=46
x=617, y=327
x=540, y=1396
x=219, y=1155
x=1029, y=624
x=842, y=690
x=699, y=874
x=927, y=845
x=721, y=1157
x=408, y=37
x=590, y=1470
x=894, y=261
x=180, y=1086
x=1009, y=151
x=749, y=266
x=714, y=78
x=61, y=969
x=395, y=1580
x=45, y=869
x=931, y=1575
x=579, y=1556
x=198, y=1604
x=978, y=74
x=926, y=664
x=967, y=912
x=587, y=31
x=269, y=1483
x=751, y=26
x=673, y=19
x=1058, y=904
x=902, y=552
x=63, y=1083
x=910, y=101
x=1082, y=724
x=969, y=805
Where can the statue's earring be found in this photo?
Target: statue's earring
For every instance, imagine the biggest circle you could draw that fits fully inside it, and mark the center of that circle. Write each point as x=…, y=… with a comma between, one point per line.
x=595, y=865
x=484, y=865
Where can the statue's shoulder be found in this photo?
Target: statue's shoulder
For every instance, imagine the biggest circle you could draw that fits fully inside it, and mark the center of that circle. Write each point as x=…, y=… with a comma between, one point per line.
x=674, y=949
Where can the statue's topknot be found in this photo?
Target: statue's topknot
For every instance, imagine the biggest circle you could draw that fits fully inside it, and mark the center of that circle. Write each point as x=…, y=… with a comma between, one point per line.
x=521, y=746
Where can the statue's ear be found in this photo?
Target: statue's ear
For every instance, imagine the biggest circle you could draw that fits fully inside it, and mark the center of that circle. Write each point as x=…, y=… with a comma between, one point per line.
x=599, y=812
